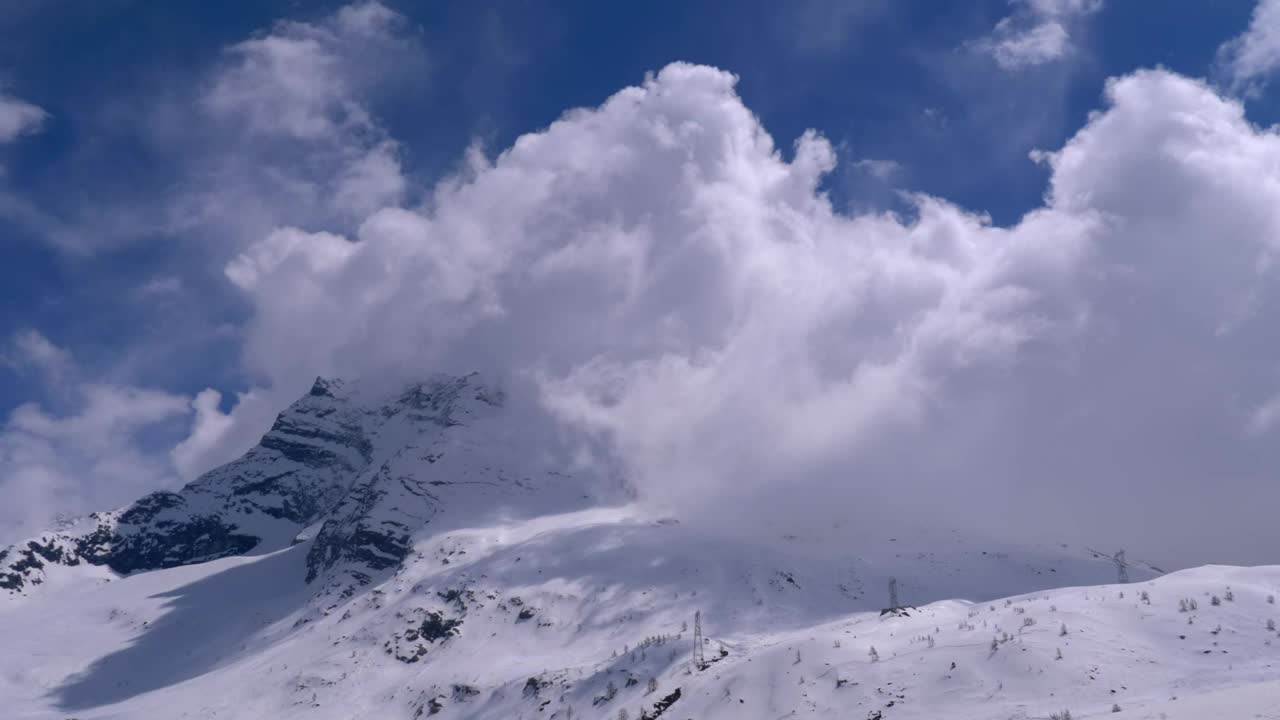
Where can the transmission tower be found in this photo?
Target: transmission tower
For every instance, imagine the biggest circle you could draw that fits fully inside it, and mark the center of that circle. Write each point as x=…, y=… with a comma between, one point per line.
x=893, y=594
x=699, y=661
x=1122, y=567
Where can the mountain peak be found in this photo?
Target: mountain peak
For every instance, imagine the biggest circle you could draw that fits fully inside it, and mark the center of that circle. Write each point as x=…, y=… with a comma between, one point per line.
x=323, y=388
x=368, y=467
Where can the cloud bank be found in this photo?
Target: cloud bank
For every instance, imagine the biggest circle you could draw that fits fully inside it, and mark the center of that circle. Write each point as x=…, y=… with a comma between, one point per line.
x=671, y=281
x=666, y=280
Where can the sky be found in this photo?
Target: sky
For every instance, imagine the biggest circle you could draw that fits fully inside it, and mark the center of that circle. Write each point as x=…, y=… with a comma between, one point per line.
x=1005, y=266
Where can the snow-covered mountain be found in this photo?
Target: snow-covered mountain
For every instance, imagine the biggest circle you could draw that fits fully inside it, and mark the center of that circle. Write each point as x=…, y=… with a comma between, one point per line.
x=417, y=553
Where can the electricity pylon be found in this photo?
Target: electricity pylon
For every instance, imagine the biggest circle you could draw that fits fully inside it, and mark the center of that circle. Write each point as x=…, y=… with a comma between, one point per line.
x=699, y=661
x=1122, y=567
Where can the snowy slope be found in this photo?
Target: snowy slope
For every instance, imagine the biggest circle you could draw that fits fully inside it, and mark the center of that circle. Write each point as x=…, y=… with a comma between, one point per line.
x=414, y=554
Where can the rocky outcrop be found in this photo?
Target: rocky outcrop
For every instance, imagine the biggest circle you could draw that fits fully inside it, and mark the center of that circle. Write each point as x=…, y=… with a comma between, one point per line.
x=371, y=530
x=369, y=470
x=23, y=565
x=299, y=472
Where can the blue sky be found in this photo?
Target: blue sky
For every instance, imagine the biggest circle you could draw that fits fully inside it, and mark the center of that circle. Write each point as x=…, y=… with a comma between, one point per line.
x=161, y=155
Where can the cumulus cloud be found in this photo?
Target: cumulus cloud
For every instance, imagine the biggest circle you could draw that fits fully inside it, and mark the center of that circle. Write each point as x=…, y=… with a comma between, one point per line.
x=18, y=117
x=92, y=453
x=1251, y=58
x=1036, y=33
x=308, y=83
x=198, y=451
x=671, y=282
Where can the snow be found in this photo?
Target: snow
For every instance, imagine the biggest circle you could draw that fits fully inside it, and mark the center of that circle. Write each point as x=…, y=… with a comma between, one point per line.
x=245, y=637
x=466, y=576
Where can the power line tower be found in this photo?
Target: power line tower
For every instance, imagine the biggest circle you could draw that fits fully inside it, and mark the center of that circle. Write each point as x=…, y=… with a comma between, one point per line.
x=1122, y=567
x=893, y=594
x=699, y=660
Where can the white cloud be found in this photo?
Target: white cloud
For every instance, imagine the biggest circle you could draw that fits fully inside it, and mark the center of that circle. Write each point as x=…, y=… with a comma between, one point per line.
x=31, y=350
x=160, y=286
x=91, y=455
x=1061, y=8
x=303, y=88
x=18, y=117
x=1255, y=55
x=198, y=452
x=883, y=170
x=1036, y=33
x=673, y=285
x=659, y=274
x=288, y=82
x=279, y=130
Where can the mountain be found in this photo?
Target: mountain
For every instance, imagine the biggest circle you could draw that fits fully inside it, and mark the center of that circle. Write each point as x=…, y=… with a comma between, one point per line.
x=421, y=552
x=371, y=470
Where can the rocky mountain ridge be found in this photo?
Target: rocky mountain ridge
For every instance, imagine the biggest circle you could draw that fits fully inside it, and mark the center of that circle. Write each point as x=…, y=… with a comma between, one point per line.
x=327, y=459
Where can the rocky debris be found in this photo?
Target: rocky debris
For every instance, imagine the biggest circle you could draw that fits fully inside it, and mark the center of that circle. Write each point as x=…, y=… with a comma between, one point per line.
x=411, y=645
x=23, y=565
x=661, y=706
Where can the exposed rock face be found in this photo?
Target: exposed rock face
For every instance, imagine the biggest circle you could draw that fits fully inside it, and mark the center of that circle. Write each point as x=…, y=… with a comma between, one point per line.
x=445, y=437
x=300, y=470
x=369, y=470
x=23, y=564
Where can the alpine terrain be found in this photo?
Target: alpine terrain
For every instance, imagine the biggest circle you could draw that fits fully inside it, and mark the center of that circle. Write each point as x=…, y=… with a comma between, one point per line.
x=416, y=553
